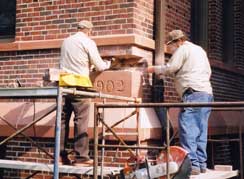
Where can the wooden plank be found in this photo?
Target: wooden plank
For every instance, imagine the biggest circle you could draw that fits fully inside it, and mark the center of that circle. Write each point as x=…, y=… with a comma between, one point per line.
x=29, y=92
x=213, y=174
x=13, y=164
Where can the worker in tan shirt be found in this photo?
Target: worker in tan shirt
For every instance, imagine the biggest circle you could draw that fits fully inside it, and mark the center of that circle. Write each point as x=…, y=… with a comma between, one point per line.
x=190, y=66
x=78, y=53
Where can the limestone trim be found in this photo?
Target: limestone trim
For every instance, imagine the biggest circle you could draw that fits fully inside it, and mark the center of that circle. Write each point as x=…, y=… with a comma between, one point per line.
x=107, y=40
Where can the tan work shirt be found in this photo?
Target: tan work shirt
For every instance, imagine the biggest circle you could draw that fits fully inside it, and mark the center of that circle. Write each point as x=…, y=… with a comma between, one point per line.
x=78, y=52
x=191, y=68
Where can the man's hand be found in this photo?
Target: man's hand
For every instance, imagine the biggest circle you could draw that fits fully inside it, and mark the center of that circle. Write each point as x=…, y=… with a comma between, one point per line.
x=150, y=69
x=108, y=63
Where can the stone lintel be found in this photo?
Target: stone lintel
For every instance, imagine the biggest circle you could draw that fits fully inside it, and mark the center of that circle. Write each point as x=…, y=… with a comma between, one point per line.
x=122, y=46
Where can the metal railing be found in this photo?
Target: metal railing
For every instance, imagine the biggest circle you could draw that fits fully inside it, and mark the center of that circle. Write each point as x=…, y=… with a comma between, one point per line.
x=239, y=105
x=73, y=91
x=59, y=92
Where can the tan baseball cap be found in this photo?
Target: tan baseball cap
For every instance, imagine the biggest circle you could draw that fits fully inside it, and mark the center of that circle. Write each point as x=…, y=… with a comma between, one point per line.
x=175, y=35
x=84, y=24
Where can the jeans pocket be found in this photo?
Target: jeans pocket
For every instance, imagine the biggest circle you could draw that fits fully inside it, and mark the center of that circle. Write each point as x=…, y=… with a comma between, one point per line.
x=188, y=98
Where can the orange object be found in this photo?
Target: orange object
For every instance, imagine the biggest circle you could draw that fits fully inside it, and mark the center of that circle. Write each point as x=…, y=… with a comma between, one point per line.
x=176, y=154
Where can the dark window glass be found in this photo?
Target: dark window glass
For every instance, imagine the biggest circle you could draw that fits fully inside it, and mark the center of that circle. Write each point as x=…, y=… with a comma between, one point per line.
x=199, y=22
x=7, y=18
x=228, y=30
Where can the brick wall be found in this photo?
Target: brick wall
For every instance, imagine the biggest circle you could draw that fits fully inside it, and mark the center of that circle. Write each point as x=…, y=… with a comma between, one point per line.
x=224, y=79
x=23, y=150
x=216, y=43
x=27, y=66
x=52, y=20
x=177, y=17
x=239, y=34
x=143, y=18
x=215, y=23
x=42, y=20
x=56, y=19
x=227, y=86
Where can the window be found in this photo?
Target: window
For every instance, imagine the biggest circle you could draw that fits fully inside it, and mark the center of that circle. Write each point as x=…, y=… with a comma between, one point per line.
x=199, y=23
x=7, y=18
x=228, y=31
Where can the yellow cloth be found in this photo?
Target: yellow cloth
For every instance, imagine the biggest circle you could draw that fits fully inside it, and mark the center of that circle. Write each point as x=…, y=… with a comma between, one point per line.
x=67, y=79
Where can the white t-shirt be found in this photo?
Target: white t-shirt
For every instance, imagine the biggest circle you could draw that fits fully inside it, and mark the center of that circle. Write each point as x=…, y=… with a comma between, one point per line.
x=190, y=66
x=78, y=52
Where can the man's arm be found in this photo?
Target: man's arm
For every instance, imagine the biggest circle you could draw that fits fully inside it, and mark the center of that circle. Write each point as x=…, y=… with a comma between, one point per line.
x=96, y=59
x=174, y=64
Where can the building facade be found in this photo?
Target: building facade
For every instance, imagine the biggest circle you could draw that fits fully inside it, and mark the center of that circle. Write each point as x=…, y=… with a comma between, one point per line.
x=32, y=31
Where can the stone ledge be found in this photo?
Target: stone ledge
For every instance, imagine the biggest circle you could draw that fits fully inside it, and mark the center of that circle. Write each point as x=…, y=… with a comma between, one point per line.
x=21, y=113
x=101, y=41
x=223, y=66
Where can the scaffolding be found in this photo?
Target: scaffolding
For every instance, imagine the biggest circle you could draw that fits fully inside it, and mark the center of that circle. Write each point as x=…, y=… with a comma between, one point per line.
x=58, y=92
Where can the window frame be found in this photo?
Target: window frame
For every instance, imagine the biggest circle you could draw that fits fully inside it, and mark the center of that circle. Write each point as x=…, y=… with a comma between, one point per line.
x=9, y=13
x=228, y=31
x=199, y=22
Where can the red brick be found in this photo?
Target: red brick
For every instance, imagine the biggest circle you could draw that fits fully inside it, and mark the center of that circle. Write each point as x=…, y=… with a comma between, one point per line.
x=34, y=19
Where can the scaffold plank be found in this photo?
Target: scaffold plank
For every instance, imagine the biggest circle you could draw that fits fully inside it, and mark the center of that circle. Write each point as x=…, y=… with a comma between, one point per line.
x=213, y=174
x=14, y=164
x=29, y=92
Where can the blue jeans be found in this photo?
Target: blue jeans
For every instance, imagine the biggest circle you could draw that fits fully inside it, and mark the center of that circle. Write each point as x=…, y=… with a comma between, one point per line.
x=193, y=125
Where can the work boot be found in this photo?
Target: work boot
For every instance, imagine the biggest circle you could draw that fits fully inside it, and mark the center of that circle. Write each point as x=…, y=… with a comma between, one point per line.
x=64, y=158
x=195, y=171
x=203, y=170
x=85, y=163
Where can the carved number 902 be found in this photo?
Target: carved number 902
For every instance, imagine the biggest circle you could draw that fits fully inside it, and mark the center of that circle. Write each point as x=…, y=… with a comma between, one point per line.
x=110, y=86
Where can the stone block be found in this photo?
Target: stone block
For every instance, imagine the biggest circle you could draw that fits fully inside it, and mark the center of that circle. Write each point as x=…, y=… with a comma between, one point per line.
x=122, y=82
x=223, y=167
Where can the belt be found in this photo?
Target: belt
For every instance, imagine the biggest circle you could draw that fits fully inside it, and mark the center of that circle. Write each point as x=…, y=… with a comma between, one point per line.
x=189, y=91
